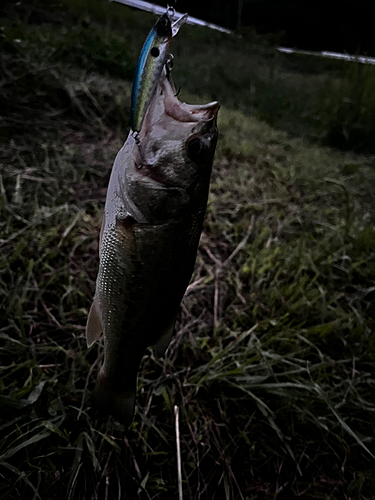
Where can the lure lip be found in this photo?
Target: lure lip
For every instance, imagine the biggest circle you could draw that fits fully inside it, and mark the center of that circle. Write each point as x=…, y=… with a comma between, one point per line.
x=177, y=24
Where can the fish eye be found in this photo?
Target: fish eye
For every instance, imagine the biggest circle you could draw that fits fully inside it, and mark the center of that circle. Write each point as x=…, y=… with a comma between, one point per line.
x=197, y=149
x=155, y=52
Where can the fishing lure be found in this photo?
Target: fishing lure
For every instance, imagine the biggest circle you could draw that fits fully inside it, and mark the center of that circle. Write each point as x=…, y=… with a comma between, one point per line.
x=150, y=65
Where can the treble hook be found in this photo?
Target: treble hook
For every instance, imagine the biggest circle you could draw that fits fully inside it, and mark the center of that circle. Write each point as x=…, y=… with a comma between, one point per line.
x=169, y=64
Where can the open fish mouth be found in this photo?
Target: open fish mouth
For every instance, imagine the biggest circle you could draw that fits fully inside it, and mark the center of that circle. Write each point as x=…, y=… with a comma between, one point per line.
x=167, y=116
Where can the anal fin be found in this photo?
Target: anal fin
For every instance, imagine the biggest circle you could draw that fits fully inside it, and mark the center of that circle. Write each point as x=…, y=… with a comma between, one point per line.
x=94, y=325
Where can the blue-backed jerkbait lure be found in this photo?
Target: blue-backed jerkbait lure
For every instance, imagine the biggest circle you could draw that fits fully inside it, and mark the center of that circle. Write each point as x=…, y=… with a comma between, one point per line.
x=150, y=65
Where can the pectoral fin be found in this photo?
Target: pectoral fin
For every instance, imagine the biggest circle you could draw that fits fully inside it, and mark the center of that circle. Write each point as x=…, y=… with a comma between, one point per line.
x=162, y=343
x=94, y=325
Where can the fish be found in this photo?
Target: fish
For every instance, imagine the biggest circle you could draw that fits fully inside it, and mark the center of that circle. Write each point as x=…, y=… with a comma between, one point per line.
x=151, y=62
x=153, y=217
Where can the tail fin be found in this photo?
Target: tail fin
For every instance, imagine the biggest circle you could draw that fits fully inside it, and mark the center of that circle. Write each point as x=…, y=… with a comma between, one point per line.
x=110, y=400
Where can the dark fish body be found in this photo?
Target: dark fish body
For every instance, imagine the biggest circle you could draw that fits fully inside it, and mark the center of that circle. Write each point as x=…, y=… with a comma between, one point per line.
x=153, y=218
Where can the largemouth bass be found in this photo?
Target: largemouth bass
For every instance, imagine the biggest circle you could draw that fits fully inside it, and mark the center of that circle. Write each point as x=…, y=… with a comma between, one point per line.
x=153, y=217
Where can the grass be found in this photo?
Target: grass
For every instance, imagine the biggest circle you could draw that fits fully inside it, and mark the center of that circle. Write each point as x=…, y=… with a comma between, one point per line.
x=272, y=364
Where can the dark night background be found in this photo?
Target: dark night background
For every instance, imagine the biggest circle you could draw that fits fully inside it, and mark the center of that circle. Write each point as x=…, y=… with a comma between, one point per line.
x=346, y=26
